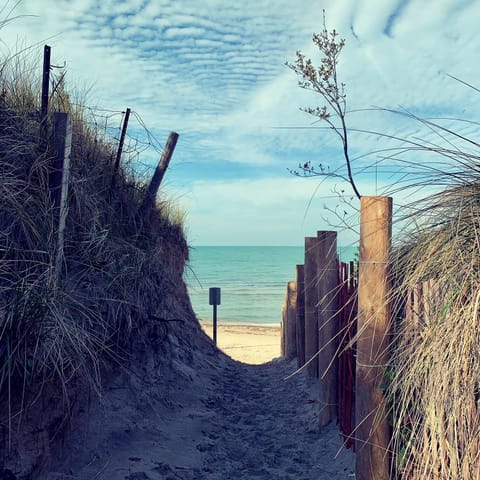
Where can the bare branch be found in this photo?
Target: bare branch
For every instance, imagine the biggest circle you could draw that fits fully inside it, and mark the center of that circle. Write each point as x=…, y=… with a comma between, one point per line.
x=324, y=80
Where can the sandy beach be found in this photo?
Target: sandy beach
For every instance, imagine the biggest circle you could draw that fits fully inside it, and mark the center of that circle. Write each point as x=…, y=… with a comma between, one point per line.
x=253, y=344
x=196, y=414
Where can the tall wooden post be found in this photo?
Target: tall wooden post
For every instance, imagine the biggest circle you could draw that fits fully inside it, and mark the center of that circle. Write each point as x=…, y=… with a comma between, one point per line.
x=59, y=177
x=374, y=325
x=149, y=201
x=45, y=85
x=300, y=315
x=311, y=306
x=327, y=326
x=291, y=321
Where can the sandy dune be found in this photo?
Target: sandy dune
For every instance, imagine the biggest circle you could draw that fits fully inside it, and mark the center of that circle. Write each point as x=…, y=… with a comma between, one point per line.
x=199, y=415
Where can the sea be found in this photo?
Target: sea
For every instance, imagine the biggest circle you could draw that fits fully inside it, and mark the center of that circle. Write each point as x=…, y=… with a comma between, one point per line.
x=253, y=281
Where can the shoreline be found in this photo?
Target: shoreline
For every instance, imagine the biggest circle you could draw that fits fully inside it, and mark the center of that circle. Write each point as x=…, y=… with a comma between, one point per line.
x=247, y=343
x=239, y=323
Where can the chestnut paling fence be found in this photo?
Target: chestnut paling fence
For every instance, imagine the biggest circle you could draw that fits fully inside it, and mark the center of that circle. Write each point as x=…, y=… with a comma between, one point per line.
x=336, y=322
x=293, y=340
x=361, y=340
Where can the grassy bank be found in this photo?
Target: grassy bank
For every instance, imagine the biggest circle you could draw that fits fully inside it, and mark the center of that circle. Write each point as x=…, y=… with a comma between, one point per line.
x=120, y=270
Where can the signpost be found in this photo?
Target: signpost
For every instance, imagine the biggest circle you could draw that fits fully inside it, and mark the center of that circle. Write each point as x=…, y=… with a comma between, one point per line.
x=214, y=299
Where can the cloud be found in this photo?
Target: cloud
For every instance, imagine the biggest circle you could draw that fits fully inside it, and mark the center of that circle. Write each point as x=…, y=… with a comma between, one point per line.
x=214, y=72
x=269, y=211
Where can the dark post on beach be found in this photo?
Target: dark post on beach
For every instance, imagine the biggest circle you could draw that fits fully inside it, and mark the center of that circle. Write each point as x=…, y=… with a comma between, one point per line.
x=214, y=295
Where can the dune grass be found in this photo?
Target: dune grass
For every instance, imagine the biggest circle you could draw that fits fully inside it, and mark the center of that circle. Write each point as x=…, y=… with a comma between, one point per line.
x=434, y=390
x=434, y=373
x=118, y=268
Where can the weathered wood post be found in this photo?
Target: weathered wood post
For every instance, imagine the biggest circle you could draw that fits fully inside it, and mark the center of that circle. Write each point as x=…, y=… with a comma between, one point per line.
x=300, y=329
x=291, y=321
x=116, y=166
x=327, y=326
x=282, y=331
x=59, y=176
x=311, y=280
x=45, y=86
x=374, y=324
x=347, y=313
x=149, y=200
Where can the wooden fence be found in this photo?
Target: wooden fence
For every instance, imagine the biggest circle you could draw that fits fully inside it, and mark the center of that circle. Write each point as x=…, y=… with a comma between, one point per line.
x=342, y=332
x=347, y=326
x=342, y=322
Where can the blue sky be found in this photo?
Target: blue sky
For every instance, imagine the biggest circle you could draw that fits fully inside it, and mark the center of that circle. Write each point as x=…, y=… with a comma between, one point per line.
x=214, y=71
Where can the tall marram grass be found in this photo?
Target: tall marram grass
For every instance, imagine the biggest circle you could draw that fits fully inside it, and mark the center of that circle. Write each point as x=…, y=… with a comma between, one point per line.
x=118, y=268
x=434, y=389
x=436, y=358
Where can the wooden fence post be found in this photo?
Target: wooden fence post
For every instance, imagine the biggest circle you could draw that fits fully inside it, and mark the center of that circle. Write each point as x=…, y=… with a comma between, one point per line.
x=374, y=325
x=59, y=177
x=327, y=326
x=45, y=86
x=311, y=306
x=347, y=312
x=300, y=329
x=291, y=321
x=149, y=200
x=120, y=146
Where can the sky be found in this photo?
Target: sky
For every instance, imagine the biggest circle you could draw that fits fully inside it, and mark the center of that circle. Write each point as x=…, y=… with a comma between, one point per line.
x=214, y=71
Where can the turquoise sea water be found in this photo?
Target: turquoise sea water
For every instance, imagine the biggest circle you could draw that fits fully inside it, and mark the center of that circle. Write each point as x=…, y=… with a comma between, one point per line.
x=253, y=280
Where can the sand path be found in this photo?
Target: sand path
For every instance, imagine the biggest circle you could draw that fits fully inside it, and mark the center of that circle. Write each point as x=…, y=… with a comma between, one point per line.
x=265, y=428
x=204, y=416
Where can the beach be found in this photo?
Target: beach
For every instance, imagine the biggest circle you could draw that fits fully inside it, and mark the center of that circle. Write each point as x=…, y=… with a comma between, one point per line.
x=247, y=343
x=197, y=415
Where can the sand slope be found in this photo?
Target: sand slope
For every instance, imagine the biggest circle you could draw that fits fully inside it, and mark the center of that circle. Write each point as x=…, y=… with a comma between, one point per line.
x=198, y=414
